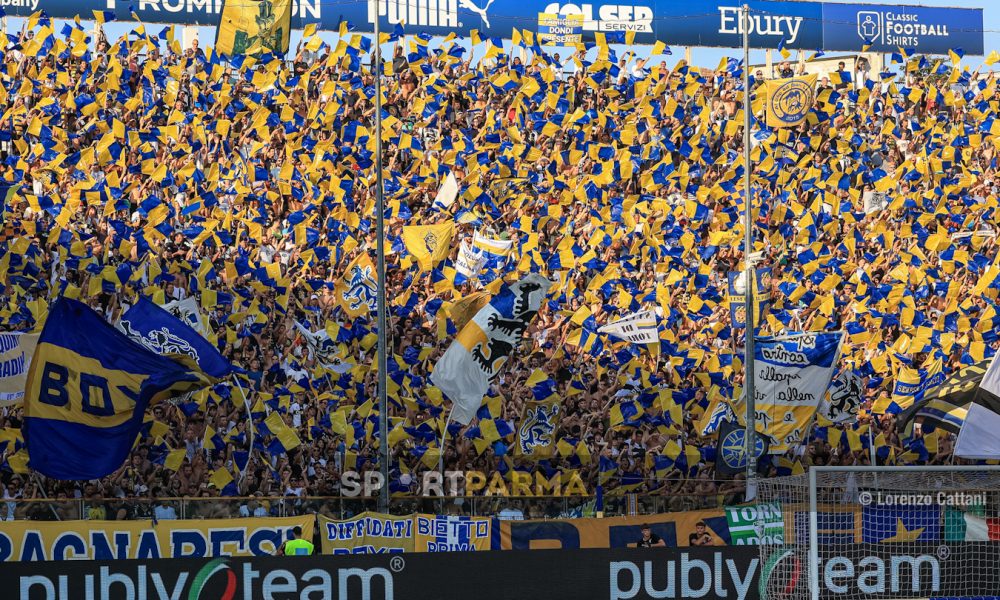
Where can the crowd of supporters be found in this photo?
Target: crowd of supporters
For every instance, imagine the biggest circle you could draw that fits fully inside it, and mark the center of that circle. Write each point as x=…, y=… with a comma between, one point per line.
x=249, y=184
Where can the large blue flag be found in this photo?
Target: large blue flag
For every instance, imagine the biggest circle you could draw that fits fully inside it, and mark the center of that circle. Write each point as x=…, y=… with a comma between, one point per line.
x=87, y=390
x=164, y=334
x=885, y=523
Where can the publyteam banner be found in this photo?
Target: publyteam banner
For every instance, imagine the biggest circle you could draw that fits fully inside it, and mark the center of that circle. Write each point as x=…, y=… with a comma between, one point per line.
x=117, y=540
x=694, y=528
x=859, y=572
x=804, y=25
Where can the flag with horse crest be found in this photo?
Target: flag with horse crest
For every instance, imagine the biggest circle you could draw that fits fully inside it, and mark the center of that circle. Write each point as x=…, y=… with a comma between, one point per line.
x=536, y=435
x=843, y=398
x=357, y=292
x=254, y=27
x=483, y=346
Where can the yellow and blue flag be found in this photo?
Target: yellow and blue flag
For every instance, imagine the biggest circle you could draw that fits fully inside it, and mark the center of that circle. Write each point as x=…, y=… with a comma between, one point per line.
x=536, y=433
x=911, y=385
x=87, y=390
x=481, y=349
x=790, y=100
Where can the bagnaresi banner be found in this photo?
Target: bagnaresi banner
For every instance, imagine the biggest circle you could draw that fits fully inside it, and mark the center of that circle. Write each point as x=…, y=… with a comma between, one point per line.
x=107, y=540
x=694, y=528
x=367, y=533
x=731, y=573
x=803, y=25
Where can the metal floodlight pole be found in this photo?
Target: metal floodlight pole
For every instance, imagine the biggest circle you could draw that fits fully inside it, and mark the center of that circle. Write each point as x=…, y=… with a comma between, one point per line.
x=748, y=278
x=383, y=399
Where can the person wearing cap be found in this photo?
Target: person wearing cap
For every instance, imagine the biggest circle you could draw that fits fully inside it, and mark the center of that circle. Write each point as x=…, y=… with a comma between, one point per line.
x=649, y=539
x=296, y=546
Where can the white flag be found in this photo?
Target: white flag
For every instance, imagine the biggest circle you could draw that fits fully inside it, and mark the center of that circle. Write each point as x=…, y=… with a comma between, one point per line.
x=470, y=261
x=978, y=437
x=324, y=349
x=483, y=346
x=638, y=328
x=991, y=380
x=16, y=350
x=497, y=246
x=447, y=192
x=187, y=310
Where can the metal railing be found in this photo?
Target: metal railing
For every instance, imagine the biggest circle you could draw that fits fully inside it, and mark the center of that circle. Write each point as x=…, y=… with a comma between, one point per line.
x=343, y=507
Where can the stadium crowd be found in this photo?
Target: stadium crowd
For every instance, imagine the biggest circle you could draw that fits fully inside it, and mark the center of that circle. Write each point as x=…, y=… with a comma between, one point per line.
x=249, y=185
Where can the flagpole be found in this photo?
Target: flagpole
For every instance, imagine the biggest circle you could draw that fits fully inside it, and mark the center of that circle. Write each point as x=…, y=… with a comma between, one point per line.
x=383, y=401
x=250, y=428
x=748, y=279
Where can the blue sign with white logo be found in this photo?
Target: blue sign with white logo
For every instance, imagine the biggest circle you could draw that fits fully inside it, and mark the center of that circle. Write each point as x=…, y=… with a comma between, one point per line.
x=924, y=29
x=802, y=25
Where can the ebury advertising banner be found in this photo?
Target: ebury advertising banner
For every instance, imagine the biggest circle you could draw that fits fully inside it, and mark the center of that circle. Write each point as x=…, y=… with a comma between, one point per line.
x=803, y=25
x=108, y=540
x=699, y=528
x=857, y=572
x=367, y=533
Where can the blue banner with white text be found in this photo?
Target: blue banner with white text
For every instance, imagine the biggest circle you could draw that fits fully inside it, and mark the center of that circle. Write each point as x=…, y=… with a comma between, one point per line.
x=799, y=25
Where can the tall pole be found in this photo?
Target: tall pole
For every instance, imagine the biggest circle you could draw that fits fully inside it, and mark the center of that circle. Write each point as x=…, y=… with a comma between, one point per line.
x=383, y=399
x=748, y=277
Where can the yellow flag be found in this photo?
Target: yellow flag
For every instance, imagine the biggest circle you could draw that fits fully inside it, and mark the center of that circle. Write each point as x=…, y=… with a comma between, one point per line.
x=175, y=459
x=789, y=100
x=285, y=434
x=220, y=478
x=254, y=27
x=429, y=244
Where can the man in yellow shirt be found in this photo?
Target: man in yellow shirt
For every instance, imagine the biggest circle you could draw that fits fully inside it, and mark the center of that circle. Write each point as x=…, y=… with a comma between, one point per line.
x=296, y=546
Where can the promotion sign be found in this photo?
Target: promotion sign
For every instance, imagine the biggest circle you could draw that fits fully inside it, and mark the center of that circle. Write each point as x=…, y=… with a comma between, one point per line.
x=858, y=572
x=367, y=533
x=754, y=524
x=802, y=25
x=665, y=573
x=554, y=30
x=107, y=540
x=699, y=527
x=449, y=533
x=925, y=29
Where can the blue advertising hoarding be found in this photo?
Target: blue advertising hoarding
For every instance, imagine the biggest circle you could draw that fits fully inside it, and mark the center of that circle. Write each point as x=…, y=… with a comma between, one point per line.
x=802, y=25
x=925, y=29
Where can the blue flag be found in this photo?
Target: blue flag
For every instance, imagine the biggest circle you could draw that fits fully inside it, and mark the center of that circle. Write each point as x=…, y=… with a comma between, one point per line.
x=87, y=390
x=164, y=334
x=882, y=523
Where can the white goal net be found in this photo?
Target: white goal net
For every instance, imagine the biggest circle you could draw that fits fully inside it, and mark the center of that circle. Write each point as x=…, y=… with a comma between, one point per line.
x=880, y=533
